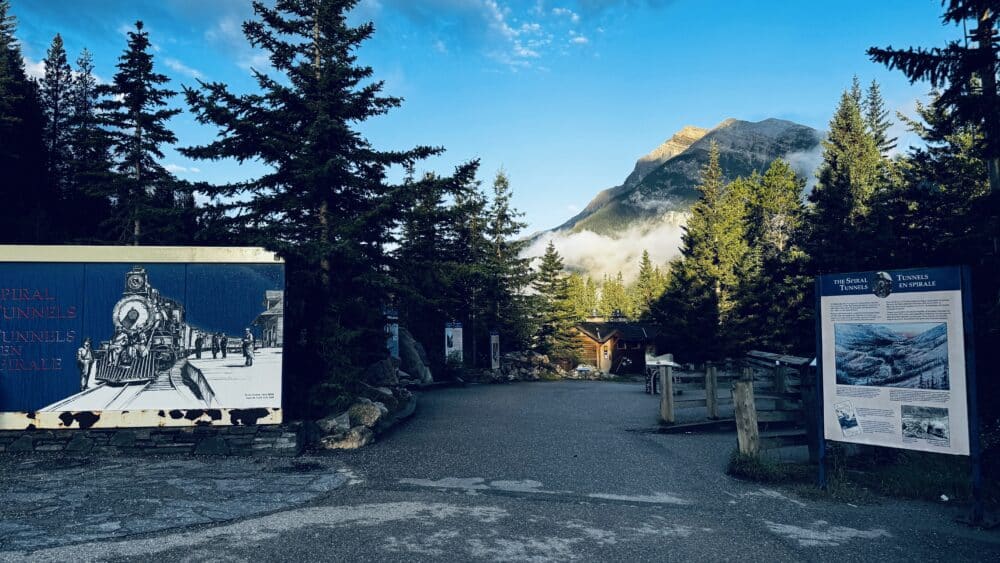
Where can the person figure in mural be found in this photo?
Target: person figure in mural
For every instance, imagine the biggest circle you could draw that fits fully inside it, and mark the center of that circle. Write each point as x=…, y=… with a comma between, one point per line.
x=118, y=343
x=84, y=361
x=223, y=344
x=198, y=342
x=215, y=345
x=248, y=347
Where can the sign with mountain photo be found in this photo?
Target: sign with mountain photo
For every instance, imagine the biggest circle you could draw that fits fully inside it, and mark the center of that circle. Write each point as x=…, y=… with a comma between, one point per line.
x=893, y=359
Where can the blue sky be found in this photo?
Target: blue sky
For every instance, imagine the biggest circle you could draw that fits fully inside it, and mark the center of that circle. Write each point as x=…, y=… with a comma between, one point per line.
x=564, y=95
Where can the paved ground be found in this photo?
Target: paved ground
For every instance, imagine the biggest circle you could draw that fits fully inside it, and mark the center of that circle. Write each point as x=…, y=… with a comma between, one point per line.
x=539, y=472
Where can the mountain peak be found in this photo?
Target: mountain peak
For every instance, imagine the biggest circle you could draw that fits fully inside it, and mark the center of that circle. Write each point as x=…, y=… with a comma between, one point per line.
x=676, y=144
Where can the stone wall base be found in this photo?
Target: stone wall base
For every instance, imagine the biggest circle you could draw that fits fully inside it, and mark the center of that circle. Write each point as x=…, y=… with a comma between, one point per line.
x=243, y=440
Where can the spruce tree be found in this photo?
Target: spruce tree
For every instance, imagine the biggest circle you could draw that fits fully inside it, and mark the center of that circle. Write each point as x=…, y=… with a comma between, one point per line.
x=966, y=72
x=55, y=93
x=877, y=119
x=849, y=177
x=325, y=202
x=649, y=285
x=510, y=272
x=555, y=334
x=147, y=206
x=87, y=207
x=26, y=195
x=701, y=294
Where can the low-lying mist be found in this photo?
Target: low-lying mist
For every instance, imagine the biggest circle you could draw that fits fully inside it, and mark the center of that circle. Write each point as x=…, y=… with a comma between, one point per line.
x=596, y=255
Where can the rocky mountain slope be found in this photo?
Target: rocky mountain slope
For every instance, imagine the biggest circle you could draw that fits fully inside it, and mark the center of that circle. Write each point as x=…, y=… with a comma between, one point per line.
x=664, y=180
x=647, y=210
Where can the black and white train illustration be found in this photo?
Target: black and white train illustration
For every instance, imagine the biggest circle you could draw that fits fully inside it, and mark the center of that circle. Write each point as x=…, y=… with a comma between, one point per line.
x=152, y=357
x=151, y=336
x=146, y=356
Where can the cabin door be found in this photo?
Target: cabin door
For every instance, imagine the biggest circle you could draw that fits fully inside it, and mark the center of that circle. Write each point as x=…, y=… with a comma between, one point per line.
x=604, y=362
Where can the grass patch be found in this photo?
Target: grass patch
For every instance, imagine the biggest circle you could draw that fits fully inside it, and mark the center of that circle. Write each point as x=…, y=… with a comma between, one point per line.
x=763, y=470
x=870, y=474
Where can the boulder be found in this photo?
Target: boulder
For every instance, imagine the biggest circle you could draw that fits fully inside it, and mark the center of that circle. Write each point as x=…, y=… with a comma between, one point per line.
x=351, y=439
x=381, y=373
x=366, y=413
x=413, y=358
x=335, y=424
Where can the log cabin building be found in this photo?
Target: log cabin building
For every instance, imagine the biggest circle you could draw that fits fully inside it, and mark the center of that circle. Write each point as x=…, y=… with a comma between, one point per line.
x=616, y=346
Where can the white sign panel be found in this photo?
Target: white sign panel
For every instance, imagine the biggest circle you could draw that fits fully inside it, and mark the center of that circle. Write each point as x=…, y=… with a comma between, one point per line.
x=893, y=359
x=453, y=341
x=495, y=351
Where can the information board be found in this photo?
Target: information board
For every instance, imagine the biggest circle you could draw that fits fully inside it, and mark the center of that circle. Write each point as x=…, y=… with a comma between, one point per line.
x=893, y=356
x=133, y=336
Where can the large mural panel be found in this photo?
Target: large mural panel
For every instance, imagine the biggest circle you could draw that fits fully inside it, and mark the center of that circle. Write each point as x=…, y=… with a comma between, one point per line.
x=140, y=343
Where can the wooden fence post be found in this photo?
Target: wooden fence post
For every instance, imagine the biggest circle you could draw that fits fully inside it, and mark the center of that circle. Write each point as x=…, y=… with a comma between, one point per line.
x=780, y=385
x=711, y=391
x=747, y=434
x=667, y=394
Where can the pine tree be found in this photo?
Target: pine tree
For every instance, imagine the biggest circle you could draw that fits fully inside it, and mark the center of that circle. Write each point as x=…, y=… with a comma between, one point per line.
x=877, y=119
x=25, y=193
x=325, y=203
x=615, y=299
x=145, y=194
x=55, y=93
x=555, y=335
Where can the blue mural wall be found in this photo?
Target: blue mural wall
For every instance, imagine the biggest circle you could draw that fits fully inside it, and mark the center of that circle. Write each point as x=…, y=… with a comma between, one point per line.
x=46, y=311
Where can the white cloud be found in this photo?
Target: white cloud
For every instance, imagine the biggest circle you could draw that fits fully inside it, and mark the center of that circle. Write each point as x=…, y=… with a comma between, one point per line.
x=567, y=13
x=579, y=40
x=806, y=163
x=600, y=255
x=34, y=69
x=178, y=169
x=182, y=68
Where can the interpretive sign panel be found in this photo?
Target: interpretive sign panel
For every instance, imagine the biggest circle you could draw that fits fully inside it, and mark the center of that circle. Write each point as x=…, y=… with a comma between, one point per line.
x=453, y=341
x=132, y=336
x=894, y=359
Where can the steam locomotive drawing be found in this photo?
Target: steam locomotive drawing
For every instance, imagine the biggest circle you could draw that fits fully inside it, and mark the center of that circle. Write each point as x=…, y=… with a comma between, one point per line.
x=150, y=337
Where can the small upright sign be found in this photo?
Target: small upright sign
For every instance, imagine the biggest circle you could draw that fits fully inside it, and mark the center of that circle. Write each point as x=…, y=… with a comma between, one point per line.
x=392, y=332
x=453, y=341
x=494, y=350
x=893, y=353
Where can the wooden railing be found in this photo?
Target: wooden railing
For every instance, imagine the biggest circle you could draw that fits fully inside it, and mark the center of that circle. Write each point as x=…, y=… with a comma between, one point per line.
x=771, y=399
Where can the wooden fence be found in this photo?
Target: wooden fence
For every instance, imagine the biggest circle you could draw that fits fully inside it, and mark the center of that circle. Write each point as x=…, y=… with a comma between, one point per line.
x=772, y=399
x=770, y=393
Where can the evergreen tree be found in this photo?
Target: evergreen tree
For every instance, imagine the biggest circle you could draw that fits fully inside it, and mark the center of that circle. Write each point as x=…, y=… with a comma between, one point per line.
x=86, y=208
x=147, y=203
x=24, y=191
x=701, y=294
x=771, y=312
x=510, y=272
x=848, y=179
x=325, y=202
x=649, y=286
x=55, y=93
x=966, y=73
x=615, y=298
x=555, y=336
x=877, y=119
